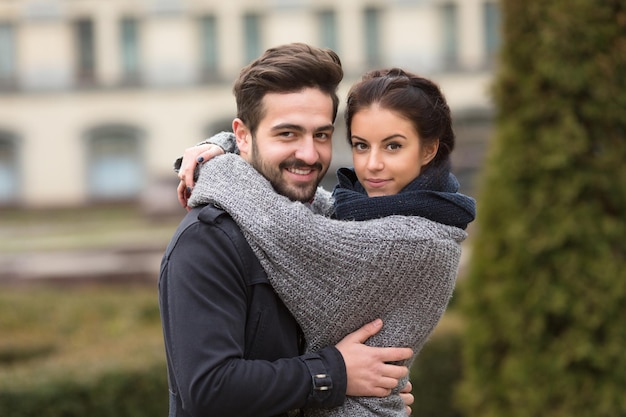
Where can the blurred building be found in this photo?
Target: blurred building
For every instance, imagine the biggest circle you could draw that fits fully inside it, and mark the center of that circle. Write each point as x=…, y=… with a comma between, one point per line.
x=98, y=97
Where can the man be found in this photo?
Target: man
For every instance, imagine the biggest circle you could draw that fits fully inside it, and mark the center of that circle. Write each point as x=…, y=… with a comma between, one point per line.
x=233, y=349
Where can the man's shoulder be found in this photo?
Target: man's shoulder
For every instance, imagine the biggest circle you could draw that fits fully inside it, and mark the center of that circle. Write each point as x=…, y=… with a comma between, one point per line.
x=210, y=223
x=208, y=214
x=215, y=216
x=212, y=216
x=199, y=220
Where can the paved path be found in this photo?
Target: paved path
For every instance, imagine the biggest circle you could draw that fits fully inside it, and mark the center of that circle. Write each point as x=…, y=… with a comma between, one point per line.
x=87, y=265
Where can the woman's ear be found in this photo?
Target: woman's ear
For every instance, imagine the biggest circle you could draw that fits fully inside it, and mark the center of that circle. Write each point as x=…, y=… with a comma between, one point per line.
x=429, y=151
x=242, y=136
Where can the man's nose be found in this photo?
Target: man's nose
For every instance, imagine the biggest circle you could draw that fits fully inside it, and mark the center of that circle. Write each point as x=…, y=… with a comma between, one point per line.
x=307, y=151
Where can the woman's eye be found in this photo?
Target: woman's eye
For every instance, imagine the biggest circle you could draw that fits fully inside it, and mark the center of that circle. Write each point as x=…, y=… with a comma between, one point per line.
x=359, y=146
x=394, y=146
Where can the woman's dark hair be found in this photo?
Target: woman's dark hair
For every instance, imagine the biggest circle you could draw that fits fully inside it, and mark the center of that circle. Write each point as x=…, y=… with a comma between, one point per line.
x=415, y=98
x=285, y=69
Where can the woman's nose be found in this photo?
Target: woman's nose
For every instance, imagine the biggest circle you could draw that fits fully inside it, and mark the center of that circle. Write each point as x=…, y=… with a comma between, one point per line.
x=375, y=162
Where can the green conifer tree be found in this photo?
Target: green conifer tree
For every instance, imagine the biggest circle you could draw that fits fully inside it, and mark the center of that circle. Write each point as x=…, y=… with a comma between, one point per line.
x=545, y=297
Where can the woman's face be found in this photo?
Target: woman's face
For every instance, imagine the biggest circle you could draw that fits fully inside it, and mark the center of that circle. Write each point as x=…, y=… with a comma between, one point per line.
x=386, y=150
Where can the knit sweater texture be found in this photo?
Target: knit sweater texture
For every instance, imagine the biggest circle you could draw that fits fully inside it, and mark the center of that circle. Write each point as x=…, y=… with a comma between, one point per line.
x=336, y=275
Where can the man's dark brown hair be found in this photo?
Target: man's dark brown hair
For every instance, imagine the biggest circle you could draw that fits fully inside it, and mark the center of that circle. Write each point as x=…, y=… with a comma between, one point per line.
x=285, y=69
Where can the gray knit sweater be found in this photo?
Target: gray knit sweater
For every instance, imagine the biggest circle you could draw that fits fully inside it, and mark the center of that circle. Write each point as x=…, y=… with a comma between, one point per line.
x=336, y=275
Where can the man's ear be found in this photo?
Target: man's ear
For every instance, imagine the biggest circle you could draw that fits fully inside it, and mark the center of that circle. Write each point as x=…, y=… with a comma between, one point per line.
x=429, y=151
x=243, y=136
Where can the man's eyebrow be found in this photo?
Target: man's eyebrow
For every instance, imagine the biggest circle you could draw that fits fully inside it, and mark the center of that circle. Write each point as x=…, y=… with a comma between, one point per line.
x=330, y=127
x=290, y=126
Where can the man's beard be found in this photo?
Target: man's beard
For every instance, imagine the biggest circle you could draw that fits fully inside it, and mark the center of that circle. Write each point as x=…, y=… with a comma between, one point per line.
x=274, y=174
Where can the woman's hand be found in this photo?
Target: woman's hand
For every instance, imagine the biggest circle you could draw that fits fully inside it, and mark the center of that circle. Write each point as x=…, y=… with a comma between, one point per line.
x=191, y=158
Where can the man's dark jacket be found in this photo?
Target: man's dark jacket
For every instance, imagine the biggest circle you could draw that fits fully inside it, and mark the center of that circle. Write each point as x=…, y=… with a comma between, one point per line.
x=232, y=347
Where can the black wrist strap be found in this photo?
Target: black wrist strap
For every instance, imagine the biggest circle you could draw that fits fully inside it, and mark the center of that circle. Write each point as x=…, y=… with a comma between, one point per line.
x=320, y=378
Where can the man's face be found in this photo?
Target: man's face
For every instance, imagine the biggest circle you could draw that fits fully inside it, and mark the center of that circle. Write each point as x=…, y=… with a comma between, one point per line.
x=292, y=146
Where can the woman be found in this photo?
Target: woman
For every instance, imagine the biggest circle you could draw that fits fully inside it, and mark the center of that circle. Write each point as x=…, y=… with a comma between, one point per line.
x=398, y=261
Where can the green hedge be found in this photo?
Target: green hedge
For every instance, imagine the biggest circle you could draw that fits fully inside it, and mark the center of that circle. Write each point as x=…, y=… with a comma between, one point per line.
x=434, y=376
x=144, y=393
x=97, y=351
x=545, y=300
x=119, y=394
x=88, y=350
x=437, y=369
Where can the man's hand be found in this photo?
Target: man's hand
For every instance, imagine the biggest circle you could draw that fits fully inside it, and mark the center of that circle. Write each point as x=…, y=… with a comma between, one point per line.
x=369, y=374
x=191, y=158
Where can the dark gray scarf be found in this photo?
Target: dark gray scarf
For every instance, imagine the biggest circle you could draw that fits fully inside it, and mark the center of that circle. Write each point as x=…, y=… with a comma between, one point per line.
x=433, y=195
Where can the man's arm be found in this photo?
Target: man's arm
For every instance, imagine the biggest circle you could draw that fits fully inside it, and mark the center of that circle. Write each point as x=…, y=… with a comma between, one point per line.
x=369, y=373
x=202, y=295
x=204, y=310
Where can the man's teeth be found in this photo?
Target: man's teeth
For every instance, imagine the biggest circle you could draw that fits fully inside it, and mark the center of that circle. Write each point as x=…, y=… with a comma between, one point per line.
x=300, y=171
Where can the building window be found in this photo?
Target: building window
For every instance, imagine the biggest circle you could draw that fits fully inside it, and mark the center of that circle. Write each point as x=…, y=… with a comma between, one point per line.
x=252, y=27
x=372, y=37
x=492, y=31
x=86, y=61
x=7, y=56
x=8, y=169
x=114, y=159
x=450, y=37
x=328, y=29
x=129, y=37
x=208, y=43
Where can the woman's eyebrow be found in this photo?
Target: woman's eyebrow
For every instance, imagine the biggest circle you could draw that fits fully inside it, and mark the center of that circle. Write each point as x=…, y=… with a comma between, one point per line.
x=388, y=138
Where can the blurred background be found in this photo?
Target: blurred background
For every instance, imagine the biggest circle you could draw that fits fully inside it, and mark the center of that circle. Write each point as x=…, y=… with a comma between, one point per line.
x=97, y=99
